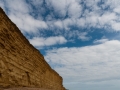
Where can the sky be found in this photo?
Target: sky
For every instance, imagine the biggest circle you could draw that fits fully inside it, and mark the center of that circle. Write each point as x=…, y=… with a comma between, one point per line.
x=80, y=39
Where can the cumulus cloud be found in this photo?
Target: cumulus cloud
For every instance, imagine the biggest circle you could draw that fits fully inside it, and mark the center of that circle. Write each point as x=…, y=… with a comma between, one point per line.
x=36, y=2
x=20, y=15
x=27, y=23
x=117, y=10
x=84, y=37
x=22, y=6
x=59, y=6
x=40, y=41
x=96, y=13
x=96, y=16
x=116, y=25
x=74, y=10
x=100, y=41
x=36, y=16
x=59, y=24
x=90, y=63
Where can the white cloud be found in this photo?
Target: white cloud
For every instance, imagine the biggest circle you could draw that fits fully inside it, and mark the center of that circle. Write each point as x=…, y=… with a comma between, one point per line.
x=74, y=10
x=116, y=25
x=59, y=24
x=59, y=6
x=117, y=9
x=101, y=41
x=90, y=63
x=68, y=22
x=112, y=3
x=83, y=36
x=107, y=18
x=95, y=15
x=27, y=23
x=20, y=16
x=40, y=41
x=81, y=22
x=22, y=6
x=91, y=3
x=36, y=2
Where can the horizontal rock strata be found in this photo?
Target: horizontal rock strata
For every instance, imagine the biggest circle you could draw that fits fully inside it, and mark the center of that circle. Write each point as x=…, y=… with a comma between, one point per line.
x=21, y=65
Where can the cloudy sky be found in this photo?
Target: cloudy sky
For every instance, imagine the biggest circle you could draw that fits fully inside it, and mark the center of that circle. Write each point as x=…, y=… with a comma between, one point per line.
x=80, y=39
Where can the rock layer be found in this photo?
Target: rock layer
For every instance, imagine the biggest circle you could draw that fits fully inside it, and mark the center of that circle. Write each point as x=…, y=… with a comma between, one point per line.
x=21, y=65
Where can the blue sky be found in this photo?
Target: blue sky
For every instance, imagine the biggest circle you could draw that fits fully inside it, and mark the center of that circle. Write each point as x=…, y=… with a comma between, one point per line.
x=80, y=39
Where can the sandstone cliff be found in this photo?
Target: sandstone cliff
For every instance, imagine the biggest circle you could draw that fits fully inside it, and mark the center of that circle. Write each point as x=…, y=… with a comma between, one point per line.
x=21, y=65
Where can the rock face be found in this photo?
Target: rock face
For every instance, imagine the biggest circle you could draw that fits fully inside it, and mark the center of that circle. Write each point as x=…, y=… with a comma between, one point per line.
x=21, y=65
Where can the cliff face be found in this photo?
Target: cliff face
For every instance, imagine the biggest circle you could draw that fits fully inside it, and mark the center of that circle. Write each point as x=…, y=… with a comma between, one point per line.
x=21, y=65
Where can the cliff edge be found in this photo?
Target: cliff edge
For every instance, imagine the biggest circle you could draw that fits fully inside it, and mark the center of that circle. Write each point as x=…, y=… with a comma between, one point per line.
x=21, y=65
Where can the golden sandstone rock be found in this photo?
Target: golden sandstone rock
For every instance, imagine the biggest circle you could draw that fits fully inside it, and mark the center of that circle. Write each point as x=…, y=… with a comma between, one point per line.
x=21, y=65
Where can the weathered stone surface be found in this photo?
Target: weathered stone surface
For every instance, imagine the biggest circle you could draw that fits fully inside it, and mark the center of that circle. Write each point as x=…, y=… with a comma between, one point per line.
x=21, y=65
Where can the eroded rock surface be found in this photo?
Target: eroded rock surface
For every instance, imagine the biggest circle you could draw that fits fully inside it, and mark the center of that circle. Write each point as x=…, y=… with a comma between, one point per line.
x=21, y=65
